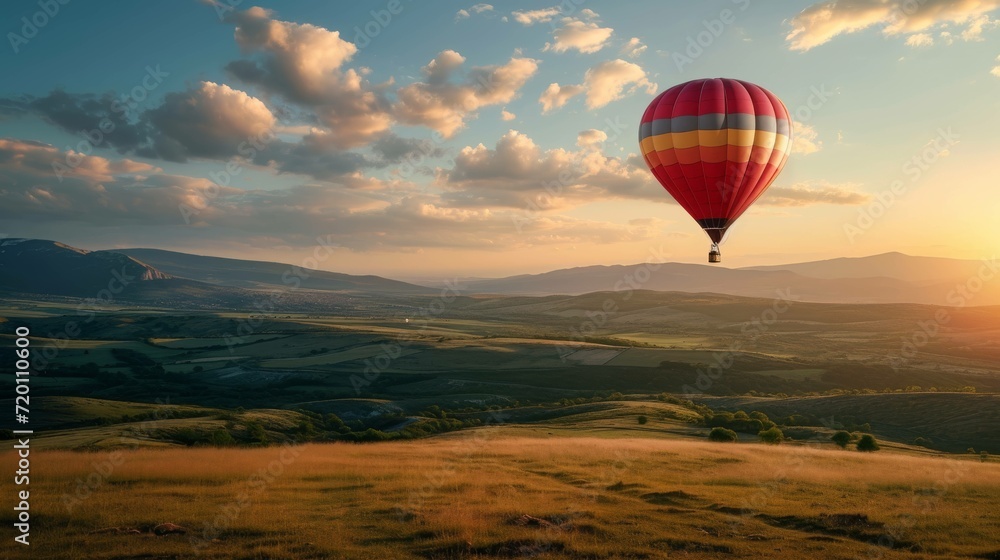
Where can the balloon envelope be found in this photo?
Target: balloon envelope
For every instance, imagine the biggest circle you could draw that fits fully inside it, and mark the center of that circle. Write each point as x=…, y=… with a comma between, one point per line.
x=715, y=145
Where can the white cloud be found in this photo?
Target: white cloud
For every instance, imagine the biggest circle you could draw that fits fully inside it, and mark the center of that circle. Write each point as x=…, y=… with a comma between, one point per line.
x=555, y=96
x=920, y=40
x=444, y=106
x=475, y=9
x=211, y=121
x=633, y=47
x=806, y=139
x=305, y=64
x=587, y=38
x=532, y=17
x=614, y=79
x=591, y=138
x=604, y=83
x=506, y=115
x=996, y=69
x=821, y=22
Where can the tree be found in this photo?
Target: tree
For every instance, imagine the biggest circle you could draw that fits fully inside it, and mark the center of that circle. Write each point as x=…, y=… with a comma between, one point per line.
x=772, y=436
x=867, y=443
x=841, y=438
x=722, y=434
x=642, y=419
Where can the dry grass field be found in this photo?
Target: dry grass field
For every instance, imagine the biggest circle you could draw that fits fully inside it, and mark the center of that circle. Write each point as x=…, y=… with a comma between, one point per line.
x=485, y=493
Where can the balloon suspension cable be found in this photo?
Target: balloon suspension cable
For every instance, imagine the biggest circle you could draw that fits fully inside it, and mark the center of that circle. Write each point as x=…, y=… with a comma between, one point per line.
x=714, y=255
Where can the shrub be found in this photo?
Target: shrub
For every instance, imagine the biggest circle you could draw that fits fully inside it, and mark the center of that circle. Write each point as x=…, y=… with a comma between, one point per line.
x=722, y=434
x=867, y=443
x=841, y=438
x=772, y=436
x=642, y=419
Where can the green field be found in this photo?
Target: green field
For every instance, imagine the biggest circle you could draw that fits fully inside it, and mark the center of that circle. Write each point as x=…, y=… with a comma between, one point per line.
x=197, y=402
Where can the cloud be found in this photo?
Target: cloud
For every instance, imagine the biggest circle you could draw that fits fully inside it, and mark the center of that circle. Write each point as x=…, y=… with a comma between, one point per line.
x=614, y=79
x=506, y=115
x=974, y=32
x=209, y=121
x=444, y=106
x=996, y=69
x=633, y=48
x=475, y=9
x=806, y=139
x=604, y=83
x=587, y=38
x=591, y=138
x=516, y=173
x=821, y=22
x=94, y=190
x=305, y=64
x=359, y=213
x=920, y=40
x=809, y=193
x=555, y=96
x=76, y=113
x=532, y=17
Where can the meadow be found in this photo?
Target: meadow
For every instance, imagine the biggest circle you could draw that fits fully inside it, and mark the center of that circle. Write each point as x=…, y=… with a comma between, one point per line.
x=491, y=493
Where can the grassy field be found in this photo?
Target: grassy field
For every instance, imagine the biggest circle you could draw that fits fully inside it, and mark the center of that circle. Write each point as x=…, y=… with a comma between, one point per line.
x=486, y=493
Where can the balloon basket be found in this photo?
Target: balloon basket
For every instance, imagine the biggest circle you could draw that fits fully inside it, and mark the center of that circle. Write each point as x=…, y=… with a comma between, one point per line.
x=714, y=255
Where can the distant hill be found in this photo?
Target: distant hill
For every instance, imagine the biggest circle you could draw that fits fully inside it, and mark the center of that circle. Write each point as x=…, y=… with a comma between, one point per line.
x=48, y=267
x=888, y=278
x=168, y=277
x=264, y=275
x=919, y=270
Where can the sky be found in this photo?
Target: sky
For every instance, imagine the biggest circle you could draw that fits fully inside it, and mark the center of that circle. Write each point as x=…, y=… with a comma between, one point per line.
x=427, y=141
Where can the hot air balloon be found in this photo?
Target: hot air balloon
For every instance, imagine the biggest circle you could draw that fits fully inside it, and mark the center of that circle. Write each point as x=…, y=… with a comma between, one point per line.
x=715, y=145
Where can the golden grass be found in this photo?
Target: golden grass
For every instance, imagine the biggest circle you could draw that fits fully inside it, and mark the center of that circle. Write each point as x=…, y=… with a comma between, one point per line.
x=459, y=496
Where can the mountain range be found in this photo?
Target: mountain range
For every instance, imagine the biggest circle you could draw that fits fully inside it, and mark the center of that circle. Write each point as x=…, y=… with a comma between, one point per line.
x=153, y=276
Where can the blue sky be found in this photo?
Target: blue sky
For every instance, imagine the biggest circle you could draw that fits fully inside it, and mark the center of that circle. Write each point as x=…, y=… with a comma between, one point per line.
x=417, y=174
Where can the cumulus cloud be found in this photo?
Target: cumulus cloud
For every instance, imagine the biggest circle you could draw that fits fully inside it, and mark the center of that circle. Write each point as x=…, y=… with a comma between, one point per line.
x=996, y=69
x=531, y=17
x=806, y=139
x=821, y=22
x=633, y=47
x=210, y=121
x=604, y=83
x=517, y=173
x=809, y=193
x=555, y=96
x=506, y=115
x=585, y=37
x=442, y=105
x=614, y=79
x=306, y=64
x=591, y=138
